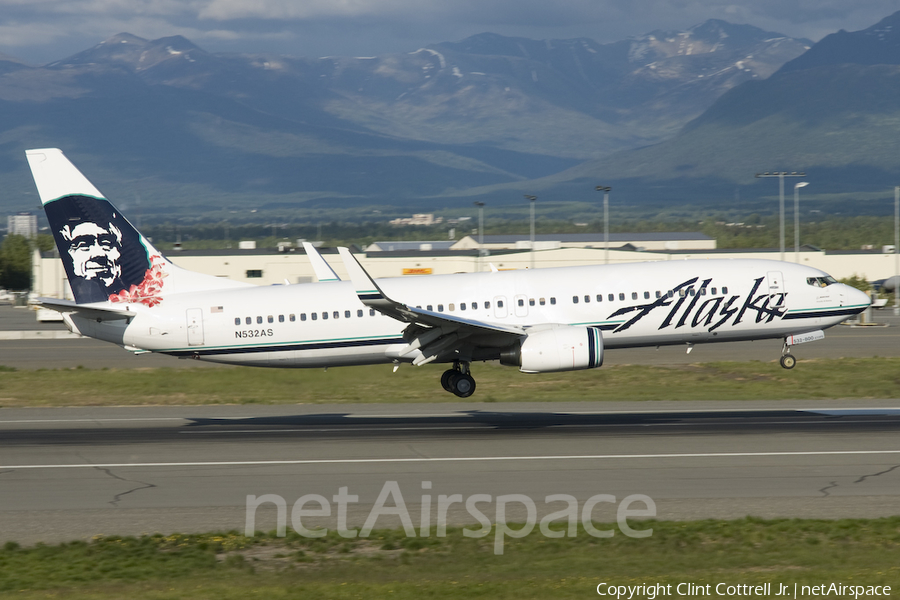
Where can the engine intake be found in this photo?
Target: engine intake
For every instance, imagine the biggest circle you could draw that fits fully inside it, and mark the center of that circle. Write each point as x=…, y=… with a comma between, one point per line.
x=563, y=348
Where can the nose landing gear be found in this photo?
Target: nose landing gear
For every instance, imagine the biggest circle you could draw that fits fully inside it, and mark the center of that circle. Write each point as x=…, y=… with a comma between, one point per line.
x=787, y=359
x=458, y=380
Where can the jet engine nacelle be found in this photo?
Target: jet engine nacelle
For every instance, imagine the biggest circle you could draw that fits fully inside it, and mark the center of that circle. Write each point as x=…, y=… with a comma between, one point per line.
x=562, y=348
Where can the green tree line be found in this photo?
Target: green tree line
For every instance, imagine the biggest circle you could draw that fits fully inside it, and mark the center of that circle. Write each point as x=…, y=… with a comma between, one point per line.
x=15, y=260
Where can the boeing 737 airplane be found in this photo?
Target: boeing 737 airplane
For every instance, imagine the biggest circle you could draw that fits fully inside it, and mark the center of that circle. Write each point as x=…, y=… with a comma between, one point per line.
x=556, y=319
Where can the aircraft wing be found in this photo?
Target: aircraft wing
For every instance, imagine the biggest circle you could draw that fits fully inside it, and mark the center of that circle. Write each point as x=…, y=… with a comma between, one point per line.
x=97, y=312
x=323, y=270
x=436, y=335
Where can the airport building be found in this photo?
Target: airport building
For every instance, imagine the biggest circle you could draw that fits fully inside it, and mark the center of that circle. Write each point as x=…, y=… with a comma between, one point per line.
x=551, y=241
x=23, y=223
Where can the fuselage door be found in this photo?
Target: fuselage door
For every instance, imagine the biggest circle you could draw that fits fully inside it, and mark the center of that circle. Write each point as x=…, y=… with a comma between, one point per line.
x=521, y=305
x=500, y=308
x=195, y=326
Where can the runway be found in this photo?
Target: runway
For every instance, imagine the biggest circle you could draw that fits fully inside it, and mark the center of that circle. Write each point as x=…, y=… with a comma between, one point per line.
x=73, y=473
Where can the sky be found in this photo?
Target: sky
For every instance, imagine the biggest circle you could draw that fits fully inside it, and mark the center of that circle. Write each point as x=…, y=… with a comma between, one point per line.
x=41, y=31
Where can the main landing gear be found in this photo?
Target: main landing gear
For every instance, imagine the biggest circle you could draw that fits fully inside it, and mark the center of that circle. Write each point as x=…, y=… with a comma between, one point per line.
x=458, y=380
x=787, y=359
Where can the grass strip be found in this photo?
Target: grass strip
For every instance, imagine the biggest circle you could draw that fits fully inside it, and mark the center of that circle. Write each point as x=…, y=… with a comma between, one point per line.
x=387, y=564
x=815, y=379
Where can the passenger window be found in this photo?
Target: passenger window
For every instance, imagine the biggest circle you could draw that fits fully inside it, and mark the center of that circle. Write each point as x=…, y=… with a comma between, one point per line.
x=429, y=307
x=474, y=306
x=552, y=300
x=599, y=297
x=574, y=299
x=336, y=314
x=302, y=316
x=462, y=306
x=671, y=294
x=531, y=302
x=270, y=319
x=237, y=321
x=634, y=295
x=359, y=313
x=487, y=304
x=621, y=296
x=521, y=302
x=713, y=291
x=324, y=316
x=542, y=302
x=587, y=298
x=612, y=297
x=346, y=314
x=248, y=320
x=646, y=295
x=292, y=318
x=658, y=294
x=371, y=312
x=281, y=318
x=500, y=303
x=682, y=292
x=452, y=307
x=314, y=316
x=259, y=320
x=703, y=291
x=440, y=308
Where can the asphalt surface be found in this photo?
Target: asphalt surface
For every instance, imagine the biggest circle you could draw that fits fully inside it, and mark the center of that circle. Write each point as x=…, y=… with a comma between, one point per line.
x=840, y=342
x=73, y=473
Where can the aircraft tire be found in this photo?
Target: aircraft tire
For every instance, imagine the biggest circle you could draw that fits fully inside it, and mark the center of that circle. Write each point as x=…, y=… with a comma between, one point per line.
x=462, y=385
x=788, y=361
x=445, y=379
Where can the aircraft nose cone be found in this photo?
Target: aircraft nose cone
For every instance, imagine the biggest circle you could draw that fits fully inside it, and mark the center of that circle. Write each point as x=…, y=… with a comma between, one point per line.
x=855, y=297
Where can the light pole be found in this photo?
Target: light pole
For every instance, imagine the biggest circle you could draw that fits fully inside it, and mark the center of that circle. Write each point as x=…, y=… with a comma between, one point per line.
x=605, y=189
x=532, y=199
x=797, y=187
x=480, y=206
x=781, y=175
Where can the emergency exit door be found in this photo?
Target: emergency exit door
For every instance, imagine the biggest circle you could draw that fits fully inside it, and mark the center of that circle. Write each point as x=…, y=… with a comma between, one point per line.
x=195, y=326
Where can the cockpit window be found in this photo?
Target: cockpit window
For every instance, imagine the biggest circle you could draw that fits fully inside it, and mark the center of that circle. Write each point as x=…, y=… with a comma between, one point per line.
x=821, y=281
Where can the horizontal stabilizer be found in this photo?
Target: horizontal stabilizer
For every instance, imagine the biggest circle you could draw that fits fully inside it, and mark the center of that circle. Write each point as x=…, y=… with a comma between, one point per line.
x=95, y=312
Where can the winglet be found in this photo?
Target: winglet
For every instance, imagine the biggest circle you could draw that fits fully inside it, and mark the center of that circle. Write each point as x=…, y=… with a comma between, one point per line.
x=366, y=289
x=323, y=270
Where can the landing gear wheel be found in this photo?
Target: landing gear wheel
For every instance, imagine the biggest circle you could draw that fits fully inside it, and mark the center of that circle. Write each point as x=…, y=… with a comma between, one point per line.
x=445, y=379
x=788, y=361
x=463, y=385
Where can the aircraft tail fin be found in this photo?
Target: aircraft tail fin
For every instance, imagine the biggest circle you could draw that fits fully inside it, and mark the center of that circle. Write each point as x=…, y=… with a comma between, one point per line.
x=106, y=259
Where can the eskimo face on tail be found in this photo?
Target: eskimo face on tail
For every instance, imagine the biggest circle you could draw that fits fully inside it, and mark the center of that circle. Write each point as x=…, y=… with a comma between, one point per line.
x=104, y=256
x=95, y=251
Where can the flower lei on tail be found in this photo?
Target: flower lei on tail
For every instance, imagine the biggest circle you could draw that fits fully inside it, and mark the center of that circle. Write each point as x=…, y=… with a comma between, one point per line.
x=147, y=292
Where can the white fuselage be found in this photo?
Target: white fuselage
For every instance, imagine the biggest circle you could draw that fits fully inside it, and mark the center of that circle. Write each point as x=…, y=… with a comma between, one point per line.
x=646, y=304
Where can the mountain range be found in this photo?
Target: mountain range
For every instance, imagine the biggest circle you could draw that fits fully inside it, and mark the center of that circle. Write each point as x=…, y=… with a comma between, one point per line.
x=832, y=112
x=176, y=128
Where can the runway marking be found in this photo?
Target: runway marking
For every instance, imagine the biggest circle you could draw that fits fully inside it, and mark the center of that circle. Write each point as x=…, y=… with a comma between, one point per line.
x=336, y=429
x=334, y=461
x=94, y=420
